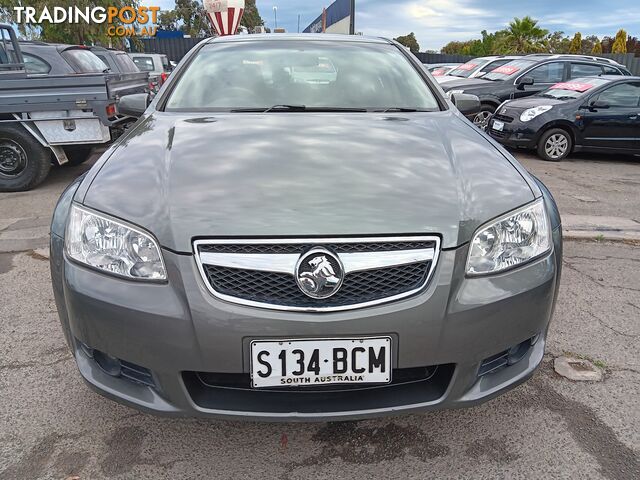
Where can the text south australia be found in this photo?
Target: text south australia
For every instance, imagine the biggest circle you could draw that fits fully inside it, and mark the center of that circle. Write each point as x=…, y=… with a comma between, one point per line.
x=122, y=22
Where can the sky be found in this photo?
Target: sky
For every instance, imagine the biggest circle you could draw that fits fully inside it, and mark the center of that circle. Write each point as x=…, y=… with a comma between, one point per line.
x=437, y=22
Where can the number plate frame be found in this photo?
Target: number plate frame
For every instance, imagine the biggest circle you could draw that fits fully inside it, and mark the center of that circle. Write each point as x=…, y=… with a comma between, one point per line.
x=497, y=125
x=324, y=377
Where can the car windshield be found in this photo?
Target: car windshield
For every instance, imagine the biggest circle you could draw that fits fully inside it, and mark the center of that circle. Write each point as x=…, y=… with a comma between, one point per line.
x=84, y=61
x=125, y=63
x=144, y=64
x=508, y=70
x=572, y=89
x=304, y=75
x=465, y=70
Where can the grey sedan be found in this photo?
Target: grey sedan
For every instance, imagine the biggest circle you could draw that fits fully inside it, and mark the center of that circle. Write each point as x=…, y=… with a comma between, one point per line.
x=302, y=227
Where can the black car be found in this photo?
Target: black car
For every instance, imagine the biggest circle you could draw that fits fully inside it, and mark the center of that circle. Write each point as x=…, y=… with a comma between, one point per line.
x=589, y=113
x=527, y=76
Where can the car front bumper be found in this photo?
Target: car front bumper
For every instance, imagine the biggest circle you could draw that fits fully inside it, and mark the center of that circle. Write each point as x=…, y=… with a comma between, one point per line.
x=515, y=134
x=184, y=340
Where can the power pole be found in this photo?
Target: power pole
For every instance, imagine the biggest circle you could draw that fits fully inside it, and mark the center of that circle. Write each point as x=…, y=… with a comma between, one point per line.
x=298, y=23
x=352, y=18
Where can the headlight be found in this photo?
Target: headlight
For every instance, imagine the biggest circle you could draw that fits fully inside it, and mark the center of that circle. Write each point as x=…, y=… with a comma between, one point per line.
x=511, y=240
x=531, y=113
x=112, y=246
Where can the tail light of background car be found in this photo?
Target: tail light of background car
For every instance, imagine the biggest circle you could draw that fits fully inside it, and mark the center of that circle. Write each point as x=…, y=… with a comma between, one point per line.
x=111, y=110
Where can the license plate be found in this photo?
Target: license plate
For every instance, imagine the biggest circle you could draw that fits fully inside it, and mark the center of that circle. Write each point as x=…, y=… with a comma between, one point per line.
x=313, y=362
x=498, y=125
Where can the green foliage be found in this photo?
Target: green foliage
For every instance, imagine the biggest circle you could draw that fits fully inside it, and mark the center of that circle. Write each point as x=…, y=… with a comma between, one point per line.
x=190, y=18
x=409, y=41
x=576, y=43
x=620, y=43
x=251, y=18
x=523, y=35
x=74, y=33
x=557, y=42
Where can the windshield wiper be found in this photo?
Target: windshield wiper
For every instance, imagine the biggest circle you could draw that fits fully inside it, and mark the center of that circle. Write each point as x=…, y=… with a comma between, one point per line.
x=296, y=108
x=286, y=108
x=401, y=109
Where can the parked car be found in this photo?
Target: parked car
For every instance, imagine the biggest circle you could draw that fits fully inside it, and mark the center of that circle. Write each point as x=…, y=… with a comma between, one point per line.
x=585, y=114
x=56, y=103
x=476, y=68
x=156, y=64
x=117, y=61
x=304, y=251
x=42, y=58
x=527, y=76
x=440, y=69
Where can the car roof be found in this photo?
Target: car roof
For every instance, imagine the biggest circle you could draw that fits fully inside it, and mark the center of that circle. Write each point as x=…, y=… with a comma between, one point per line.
x=283, y=37
x=568, y=56
x=614, y=78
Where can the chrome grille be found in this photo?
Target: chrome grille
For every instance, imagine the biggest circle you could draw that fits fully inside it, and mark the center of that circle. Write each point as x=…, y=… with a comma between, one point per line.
x=262, y=272
x=303, y=247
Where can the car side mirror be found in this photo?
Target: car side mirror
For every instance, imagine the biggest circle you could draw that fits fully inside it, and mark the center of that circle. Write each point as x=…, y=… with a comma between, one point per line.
x=524, y=81
x=133, y=105
x=467, y=104
x=597, y=104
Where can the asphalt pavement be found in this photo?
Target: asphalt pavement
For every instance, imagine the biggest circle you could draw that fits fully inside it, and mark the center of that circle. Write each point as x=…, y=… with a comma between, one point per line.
x=53, y=427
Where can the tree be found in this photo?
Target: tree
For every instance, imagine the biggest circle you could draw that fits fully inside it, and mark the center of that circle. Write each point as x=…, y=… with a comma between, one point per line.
x=607, y=43
x=620, y=43
x=188, y=16
x=576, y=43
x=453, y=48
x=75, y=33
x=251, y=18
x=588, y=43
x=557, y=42
x=409, y=41
x=633, y=46
x=523, y=35
x=597, y=48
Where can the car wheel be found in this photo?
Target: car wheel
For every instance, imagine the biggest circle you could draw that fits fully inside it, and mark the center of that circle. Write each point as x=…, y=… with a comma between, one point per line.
x=77, y=155
x=554, y=145
x=481, y=120
x=24, y=162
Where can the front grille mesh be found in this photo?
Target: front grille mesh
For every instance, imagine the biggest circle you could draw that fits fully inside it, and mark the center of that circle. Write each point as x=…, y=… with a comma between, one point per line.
x=281, y=288
x=503, y=118
x=497, y=133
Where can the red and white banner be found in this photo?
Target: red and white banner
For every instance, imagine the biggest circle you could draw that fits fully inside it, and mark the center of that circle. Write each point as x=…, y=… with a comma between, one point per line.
x=467, y=66
x=224, y=15
x=576, y=87
x=506, y=69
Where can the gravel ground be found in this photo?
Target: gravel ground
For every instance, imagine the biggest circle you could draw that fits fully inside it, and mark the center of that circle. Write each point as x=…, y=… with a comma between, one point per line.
x=53, y=427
